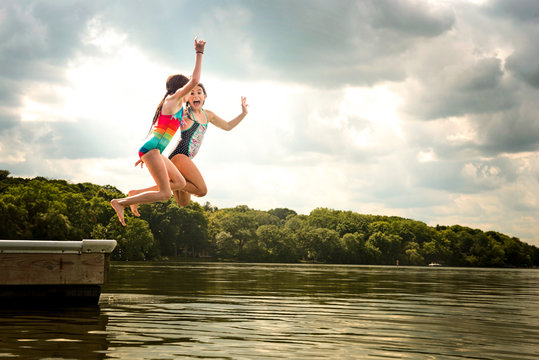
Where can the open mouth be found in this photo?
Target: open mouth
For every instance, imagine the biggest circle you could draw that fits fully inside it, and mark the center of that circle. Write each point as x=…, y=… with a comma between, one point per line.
x=196, y=102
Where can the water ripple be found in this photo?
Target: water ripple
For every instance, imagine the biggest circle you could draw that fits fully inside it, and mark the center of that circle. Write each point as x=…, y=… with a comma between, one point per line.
x=249, y=311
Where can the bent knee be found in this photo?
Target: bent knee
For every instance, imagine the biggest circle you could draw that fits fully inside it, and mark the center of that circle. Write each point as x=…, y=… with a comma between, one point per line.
x=202, y=192
x=164, y=195
x=178, y=184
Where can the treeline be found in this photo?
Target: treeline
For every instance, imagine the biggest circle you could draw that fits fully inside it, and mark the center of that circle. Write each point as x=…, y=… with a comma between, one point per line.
x=41, y=208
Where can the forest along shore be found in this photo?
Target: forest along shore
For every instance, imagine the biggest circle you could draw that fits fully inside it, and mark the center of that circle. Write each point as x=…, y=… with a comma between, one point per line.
x=50, y=209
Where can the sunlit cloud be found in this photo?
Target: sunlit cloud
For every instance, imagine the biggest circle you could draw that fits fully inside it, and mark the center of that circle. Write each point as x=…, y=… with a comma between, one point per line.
x=426, y=156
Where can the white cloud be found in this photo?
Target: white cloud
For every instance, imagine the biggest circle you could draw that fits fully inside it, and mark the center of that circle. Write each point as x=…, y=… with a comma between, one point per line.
x=427, y=156
x=104, y=38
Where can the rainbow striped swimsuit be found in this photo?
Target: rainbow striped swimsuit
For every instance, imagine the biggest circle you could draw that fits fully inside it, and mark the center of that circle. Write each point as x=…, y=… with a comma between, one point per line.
x=162, y=132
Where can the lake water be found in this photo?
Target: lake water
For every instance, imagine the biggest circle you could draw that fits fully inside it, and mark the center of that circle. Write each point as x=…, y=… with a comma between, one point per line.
x=275, y=311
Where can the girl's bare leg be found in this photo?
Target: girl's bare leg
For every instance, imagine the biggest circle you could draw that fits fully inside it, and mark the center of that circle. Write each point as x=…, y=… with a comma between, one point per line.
x=177, y=181
x=158, y=169
x=134, y=207
x=195, y=183
x=183, y=198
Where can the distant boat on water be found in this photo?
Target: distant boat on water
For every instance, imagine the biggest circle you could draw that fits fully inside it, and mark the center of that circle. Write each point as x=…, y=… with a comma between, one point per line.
x=434, y=264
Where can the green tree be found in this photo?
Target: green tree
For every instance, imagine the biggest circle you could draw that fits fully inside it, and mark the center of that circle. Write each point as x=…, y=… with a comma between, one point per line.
x=135, y=241
x=42, y=208
x=379, y=227
x=388, y=245
x=241, y=223
x=226, y=246
x=350, y=223
x=4, y=174
x=412, y=255
x=324, y=245
x=165, y=221
x=282, y=213
x=324, y=218
x=277, y=244
x=354, y=248
x=13, y=220
x=437, y=250
x=193, y=229
x=78, y=211
x=300, y=228
x=52, y=225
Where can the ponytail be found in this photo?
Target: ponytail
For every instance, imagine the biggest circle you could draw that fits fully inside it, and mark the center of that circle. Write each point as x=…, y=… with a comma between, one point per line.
x=174, y=82
x=158, y=112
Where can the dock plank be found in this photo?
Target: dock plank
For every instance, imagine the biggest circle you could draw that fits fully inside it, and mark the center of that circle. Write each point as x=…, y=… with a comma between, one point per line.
x=53, y=269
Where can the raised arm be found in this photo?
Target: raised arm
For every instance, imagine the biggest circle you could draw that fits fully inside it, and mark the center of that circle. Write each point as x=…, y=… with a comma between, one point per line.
x=229, y=125
x=195, y=78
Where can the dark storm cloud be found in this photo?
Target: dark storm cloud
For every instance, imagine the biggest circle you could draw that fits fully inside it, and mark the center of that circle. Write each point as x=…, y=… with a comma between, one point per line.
x=9, y=92
x=517, y=10
x=343, y=42
x=524, y=14
x=464, y=89
x=466, y=177
x=318, y=42
x=76, y=140
x=408, y=18
x=36, y=41
x=7, y=121
x=492, y=97
x=524, y=64
x=37, y=38
x=510, y=132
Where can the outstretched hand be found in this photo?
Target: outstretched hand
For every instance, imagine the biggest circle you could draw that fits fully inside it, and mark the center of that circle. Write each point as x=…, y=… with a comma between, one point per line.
x=199, y=45
x=244, y=105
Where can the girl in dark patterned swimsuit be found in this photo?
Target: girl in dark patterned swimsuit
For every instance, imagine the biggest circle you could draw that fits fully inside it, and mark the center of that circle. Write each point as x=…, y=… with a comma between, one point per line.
x=182, y=156
x=193, y=127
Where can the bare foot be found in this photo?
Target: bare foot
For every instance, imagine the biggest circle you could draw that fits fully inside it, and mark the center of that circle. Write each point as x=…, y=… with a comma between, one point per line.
x=115, y=203
x=134, y=207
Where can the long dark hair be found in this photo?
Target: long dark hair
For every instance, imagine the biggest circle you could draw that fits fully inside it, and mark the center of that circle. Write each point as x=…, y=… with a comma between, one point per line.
x=174, y=82
x=189, y=110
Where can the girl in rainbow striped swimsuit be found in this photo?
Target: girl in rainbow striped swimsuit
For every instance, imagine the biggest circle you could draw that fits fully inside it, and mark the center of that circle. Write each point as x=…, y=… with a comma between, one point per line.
x=166, y=122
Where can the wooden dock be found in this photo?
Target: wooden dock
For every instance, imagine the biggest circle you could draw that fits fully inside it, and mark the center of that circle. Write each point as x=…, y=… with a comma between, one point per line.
x=53, y=273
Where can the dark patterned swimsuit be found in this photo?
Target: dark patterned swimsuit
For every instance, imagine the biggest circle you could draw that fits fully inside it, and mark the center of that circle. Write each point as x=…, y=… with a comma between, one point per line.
x=191, y=139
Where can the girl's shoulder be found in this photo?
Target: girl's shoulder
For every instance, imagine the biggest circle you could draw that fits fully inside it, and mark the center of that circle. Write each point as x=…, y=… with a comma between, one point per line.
x=171, y=107
x=209, y=114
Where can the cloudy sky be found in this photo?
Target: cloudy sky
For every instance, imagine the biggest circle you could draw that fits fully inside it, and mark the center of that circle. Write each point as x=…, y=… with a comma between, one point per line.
x=425, y=109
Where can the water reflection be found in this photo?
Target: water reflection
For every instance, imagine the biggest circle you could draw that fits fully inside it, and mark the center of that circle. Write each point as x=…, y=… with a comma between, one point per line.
x=53, y=333
x=272, y=311
x=261, y=311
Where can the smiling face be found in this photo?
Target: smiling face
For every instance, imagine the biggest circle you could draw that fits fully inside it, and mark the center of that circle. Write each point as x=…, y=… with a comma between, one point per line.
x=197, y=97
